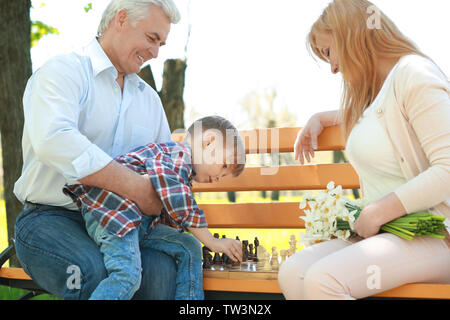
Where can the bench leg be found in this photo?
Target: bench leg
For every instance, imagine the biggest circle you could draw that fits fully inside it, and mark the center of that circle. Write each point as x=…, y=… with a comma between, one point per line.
x=29, y=295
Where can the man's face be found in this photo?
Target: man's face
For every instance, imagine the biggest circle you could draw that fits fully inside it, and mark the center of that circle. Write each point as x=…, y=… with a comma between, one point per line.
x=133, y=46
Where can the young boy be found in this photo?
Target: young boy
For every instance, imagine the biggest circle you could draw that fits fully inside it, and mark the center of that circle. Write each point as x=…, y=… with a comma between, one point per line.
x=211, y=150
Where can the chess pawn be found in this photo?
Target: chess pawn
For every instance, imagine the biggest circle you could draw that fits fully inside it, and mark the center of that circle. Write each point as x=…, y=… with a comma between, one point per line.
x=274, y=263
x=283, y=254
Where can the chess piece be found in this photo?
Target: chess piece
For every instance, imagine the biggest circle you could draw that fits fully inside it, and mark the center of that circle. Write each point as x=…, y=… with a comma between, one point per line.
x=244, y=250
x=283, y=254
x=226, y=260
x=237, y=238
x=274, y=263
x=207, y=257
x=250, y=253
x=256, y=243
x=292, y=245
x=260, y=257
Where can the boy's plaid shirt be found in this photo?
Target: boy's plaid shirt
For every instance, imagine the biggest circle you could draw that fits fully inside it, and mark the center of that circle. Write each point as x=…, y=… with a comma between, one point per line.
x=169, y=166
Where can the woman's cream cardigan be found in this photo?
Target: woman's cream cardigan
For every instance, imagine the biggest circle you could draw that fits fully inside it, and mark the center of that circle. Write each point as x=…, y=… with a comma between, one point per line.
x=416, y=116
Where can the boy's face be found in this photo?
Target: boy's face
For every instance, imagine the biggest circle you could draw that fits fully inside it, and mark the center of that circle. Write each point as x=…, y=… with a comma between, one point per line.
x=215, y=164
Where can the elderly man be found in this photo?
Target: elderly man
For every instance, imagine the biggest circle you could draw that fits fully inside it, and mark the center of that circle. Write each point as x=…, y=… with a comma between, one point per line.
x=82, y=110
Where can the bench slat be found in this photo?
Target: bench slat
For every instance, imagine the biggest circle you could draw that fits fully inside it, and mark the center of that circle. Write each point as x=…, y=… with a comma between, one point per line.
x=14, y=273
x=308, y=177
x=274, y=215
x=412, y=291
x=280, y=140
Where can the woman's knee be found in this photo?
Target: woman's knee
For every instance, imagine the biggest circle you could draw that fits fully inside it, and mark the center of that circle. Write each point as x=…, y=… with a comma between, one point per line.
x=290, y=278
x=320, y=283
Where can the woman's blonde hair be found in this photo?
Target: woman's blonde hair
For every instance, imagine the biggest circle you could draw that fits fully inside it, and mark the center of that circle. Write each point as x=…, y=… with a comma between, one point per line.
x=362, y=34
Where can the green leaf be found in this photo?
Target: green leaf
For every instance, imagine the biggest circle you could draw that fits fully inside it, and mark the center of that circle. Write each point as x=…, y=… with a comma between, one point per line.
x=40, y=29
x=88, y=7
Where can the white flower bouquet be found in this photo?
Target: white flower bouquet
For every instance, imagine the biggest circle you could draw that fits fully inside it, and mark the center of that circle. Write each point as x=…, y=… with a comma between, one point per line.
x=330, y=215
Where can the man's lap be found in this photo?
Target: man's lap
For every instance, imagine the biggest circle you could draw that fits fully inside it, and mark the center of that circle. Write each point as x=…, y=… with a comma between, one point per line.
x=49, y=240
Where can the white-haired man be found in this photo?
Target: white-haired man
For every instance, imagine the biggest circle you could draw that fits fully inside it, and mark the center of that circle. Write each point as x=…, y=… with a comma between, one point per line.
x=81, y=110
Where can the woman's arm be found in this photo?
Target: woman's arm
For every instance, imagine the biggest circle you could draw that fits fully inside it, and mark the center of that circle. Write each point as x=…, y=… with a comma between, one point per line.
x=306, y=141
x=377, y=214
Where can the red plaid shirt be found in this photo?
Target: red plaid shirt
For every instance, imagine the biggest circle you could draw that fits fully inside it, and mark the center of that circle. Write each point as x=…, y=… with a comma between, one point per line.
x=169, y=166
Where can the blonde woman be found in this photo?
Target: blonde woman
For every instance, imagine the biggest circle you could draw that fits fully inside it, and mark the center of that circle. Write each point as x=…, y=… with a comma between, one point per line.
x=395, y=115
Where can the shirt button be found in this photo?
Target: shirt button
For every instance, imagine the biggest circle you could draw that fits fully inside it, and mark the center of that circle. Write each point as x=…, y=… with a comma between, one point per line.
x=380, y=111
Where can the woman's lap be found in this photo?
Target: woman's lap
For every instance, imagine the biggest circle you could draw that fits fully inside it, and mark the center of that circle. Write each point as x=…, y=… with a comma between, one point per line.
x=367, y=267
x=53, y=246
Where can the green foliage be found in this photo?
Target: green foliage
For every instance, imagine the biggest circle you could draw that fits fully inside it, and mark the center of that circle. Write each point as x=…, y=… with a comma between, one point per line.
x=40, y=29
x=88, y=7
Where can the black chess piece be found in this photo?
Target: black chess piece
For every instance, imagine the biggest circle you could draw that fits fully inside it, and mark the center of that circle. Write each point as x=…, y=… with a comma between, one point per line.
x=250, y=253
x=207, y=257
x=256, y=242
x=226, y=260
x=244, y=250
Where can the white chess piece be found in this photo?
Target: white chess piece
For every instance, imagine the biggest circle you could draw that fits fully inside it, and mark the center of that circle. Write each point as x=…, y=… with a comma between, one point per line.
x=283, y=254
x=274, y=263
x=261, y=256
x=267, y=266
x=292, y=245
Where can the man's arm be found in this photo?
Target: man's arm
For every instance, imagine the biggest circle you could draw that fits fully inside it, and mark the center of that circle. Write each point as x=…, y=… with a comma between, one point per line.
x=128, y=184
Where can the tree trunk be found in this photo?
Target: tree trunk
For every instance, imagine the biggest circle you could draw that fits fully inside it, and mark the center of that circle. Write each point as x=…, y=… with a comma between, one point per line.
x=15, y=61
x=172, y=90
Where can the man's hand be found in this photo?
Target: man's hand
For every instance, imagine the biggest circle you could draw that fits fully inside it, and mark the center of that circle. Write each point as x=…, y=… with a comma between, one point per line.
x=128, y=184
x=147, y=199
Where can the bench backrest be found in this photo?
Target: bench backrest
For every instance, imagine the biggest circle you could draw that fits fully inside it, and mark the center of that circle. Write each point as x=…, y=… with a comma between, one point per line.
x=285, y=177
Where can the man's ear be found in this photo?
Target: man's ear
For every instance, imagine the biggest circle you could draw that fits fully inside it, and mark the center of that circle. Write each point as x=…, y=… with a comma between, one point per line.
x=120, y=19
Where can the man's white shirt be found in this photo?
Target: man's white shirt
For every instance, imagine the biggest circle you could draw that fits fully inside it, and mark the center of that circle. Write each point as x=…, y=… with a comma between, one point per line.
x=77, y=120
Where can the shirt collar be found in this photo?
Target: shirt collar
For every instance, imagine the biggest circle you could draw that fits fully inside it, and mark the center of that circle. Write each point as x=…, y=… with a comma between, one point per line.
x=100, y=62
x=99, y=59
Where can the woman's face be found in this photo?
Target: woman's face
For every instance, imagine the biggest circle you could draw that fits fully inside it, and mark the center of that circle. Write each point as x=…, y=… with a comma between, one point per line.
x=327, y=46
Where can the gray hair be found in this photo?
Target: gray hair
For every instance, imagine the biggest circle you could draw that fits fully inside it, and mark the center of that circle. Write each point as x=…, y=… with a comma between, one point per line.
x=137, y=10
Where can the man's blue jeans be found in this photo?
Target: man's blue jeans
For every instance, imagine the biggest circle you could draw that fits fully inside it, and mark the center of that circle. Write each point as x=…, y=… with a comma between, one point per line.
x=53, y=246
x=121, y=256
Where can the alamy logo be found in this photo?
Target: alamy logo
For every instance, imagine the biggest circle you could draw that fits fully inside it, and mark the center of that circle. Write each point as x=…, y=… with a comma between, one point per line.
x=374, y=21
x=74, y=280
x=374, y=280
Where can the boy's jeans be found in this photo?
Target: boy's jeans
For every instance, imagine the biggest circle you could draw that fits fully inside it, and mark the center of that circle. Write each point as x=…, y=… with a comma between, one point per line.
x=123, y=264
x=54, y=248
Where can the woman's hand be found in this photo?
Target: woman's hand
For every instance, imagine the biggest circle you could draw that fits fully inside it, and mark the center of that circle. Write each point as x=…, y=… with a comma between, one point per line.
x=375, y=215
x=368, y=224
x=306, y=141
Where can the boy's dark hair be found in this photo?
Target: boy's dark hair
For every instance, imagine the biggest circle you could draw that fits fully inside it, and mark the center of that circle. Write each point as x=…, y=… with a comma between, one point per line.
x=228, y=130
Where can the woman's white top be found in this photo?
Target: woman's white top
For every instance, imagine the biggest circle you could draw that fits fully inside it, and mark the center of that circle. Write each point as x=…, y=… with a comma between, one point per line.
x=371, y=153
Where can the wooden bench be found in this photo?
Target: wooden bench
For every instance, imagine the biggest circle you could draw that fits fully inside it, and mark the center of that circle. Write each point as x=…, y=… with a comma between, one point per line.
x=279, y=215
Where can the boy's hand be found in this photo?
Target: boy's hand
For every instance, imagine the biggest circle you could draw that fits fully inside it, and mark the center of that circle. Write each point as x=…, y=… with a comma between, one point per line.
x=232, y=248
